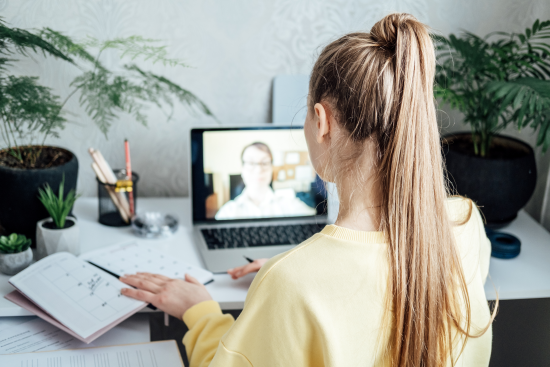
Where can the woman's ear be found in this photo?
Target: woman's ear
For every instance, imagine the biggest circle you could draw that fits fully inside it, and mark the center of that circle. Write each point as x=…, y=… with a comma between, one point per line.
x=323, y=123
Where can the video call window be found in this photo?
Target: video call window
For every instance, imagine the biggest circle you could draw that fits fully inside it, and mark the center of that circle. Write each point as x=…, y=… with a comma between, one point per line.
x=259, y=174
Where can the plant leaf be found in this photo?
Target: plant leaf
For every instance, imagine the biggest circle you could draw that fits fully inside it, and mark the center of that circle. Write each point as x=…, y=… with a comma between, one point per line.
x=23, y=40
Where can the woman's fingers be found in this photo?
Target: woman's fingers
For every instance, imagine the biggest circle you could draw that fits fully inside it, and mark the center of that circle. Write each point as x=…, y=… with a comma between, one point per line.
x=155, y=276
x=158, y=279
x=141, y=283
x=235, y=271
x=241, y=271
x=190, y=279
x=139, y=294
x=245, y=269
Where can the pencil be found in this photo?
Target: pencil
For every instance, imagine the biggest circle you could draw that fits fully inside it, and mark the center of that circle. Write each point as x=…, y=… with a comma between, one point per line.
x=129, y=174
x=108, y=176
x=110, y=191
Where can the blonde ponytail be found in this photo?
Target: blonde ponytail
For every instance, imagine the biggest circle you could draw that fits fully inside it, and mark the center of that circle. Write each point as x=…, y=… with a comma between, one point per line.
x=381, y=87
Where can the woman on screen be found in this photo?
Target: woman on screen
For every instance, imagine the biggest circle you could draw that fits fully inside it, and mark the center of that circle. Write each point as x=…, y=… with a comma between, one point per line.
x=258, y=200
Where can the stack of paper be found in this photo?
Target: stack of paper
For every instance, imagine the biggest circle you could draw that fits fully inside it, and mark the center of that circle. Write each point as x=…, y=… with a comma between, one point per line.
x=155, y=354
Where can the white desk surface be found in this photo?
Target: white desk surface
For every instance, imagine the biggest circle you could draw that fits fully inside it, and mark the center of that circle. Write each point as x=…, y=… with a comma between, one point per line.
x=527, y=276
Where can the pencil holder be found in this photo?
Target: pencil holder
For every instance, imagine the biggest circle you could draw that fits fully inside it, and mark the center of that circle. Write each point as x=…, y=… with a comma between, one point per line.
x=117, y=202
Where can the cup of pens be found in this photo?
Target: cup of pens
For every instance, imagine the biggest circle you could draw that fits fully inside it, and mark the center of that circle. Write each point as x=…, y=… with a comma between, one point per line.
x=116, y=190
x=117, y=202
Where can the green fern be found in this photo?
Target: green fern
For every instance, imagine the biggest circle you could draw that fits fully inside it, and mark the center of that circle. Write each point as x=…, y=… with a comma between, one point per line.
x=135, y=47
x=106, y=94
x=31, y=113
x=497, y=80
x=27, y=110
x=21, y=41
x=69, y=47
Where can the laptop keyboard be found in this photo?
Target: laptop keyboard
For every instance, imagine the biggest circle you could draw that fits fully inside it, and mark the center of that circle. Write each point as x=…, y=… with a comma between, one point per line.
x=222, y=238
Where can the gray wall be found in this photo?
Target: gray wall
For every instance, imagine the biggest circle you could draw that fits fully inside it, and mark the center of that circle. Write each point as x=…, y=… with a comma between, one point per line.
x=235, y=48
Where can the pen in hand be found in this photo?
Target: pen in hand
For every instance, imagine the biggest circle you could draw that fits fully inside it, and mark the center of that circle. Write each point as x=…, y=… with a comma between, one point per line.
x=248, y=259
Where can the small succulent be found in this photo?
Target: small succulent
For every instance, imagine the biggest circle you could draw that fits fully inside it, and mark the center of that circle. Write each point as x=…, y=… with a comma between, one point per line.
x=14, y=243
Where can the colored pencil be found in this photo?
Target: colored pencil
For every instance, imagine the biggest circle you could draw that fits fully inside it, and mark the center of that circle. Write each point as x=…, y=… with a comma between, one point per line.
x=129, y=174
x=106, y=175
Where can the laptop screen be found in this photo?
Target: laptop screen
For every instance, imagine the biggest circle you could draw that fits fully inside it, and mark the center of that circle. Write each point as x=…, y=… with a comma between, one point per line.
x=253, y=173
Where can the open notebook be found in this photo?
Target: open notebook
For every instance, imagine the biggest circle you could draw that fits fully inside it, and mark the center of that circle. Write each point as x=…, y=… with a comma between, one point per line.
x=81, y=295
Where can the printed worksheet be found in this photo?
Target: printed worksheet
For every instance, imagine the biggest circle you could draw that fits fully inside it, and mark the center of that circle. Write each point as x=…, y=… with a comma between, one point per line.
x=36, y=336
x=155, y=354
x=80, y=296
x=130, y=258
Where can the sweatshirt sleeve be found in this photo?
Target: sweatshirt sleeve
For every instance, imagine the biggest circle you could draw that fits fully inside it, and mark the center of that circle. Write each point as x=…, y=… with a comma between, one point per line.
x=206, y=325
x=274, y=328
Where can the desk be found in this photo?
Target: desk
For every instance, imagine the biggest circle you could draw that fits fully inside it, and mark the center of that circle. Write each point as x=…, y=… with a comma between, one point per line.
x=229, y=293
x=527, y=276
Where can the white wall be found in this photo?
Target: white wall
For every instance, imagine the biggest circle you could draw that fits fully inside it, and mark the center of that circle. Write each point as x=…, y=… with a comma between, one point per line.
x=236, y=48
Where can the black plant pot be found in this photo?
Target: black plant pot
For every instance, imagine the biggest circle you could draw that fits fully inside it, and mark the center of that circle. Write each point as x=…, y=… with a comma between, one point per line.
x=500, y=186
x=20, y=208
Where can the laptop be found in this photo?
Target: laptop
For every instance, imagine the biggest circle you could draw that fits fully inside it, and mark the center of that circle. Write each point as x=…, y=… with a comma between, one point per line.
x=255, y=193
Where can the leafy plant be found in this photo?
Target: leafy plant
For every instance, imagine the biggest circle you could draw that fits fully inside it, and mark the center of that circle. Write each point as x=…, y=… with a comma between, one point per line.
x=497, y=80
x=57, y=206
x=14, y=243
x=30, y=111
x=27, y=109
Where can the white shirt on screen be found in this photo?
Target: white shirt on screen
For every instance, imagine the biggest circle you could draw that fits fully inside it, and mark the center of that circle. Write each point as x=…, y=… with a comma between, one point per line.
x=280, y=203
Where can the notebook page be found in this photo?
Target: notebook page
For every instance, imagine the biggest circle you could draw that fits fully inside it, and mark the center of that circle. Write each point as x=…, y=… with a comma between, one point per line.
x=80, y=296
x=130, y=258
x=155, y=354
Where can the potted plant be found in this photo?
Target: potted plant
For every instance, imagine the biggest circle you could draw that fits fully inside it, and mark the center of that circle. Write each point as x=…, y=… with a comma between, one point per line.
x=30, y=114
x=60, y=231
x=15, y=253
x=495, y=81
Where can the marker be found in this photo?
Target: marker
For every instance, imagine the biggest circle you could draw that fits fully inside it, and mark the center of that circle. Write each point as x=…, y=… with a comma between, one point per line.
x=248, y=259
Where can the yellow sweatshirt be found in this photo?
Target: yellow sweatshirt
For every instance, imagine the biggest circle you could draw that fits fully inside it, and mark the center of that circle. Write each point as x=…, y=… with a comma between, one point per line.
x=321, y=304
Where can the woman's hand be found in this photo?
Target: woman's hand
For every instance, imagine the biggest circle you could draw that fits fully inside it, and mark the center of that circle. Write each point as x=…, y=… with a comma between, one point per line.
x=173, y=296
x=241, y=271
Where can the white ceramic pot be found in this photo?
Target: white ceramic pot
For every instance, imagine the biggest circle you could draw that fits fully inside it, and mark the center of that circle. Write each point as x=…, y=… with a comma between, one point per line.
x=12, y=264
x=50, y=241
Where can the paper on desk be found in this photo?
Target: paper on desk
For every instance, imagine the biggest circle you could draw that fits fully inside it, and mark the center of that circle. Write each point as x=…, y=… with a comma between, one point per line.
x=155, y=354
x=132, y=257
x=36, y=336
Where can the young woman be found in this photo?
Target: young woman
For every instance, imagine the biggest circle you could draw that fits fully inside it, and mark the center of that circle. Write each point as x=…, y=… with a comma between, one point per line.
x=398, y=280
